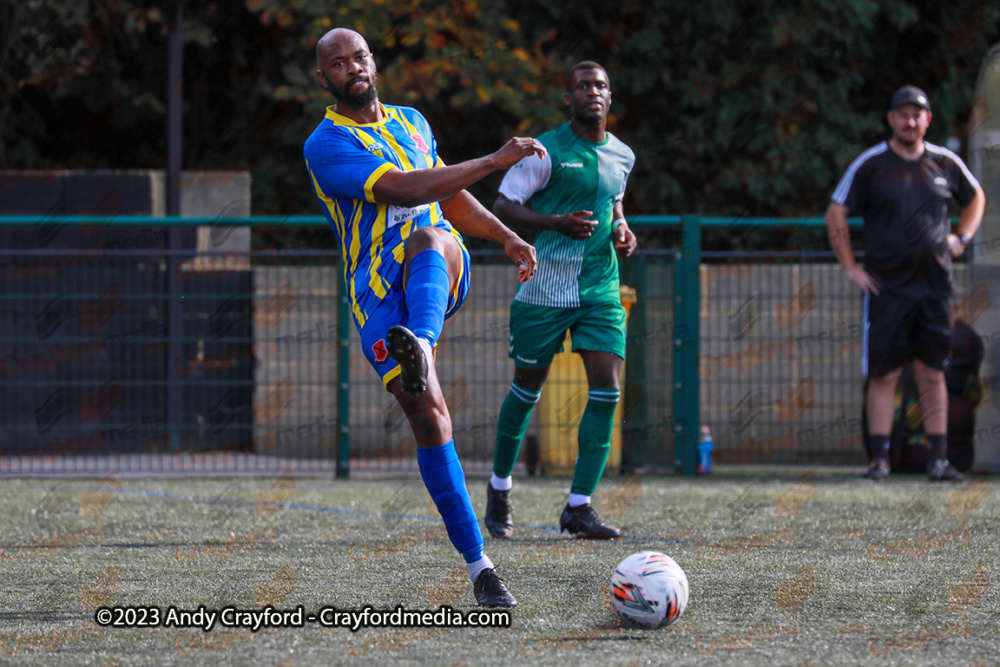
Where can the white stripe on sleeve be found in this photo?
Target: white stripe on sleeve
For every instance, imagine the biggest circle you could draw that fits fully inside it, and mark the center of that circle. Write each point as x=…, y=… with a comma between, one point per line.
x=526, y=178
x=844, y=187
x=621, y=193
x=941, y=150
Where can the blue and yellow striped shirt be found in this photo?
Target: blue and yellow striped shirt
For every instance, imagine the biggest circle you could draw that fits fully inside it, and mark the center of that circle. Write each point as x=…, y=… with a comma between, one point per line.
x=344, y=160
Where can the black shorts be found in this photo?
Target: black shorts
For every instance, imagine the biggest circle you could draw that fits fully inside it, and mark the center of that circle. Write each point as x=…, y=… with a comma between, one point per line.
x=898, y=329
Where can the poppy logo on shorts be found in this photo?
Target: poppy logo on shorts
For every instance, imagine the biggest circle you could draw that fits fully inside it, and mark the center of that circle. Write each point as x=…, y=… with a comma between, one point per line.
x=421, y=144
x=381, y=354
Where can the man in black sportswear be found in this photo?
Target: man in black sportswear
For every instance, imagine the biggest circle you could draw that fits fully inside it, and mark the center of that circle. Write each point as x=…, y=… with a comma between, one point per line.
x=901, y=188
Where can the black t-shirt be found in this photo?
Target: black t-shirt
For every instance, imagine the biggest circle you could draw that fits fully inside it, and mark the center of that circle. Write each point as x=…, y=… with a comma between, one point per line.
x=904, y=205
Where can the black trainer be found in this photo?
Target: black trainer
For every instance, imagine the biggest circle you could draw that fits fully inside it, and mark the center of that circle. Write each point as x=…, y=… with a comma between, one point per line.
x=403, y=346
x=877, y=472
x=498, y=513
x=943, y=471
x=490, y=590
x=584, y=522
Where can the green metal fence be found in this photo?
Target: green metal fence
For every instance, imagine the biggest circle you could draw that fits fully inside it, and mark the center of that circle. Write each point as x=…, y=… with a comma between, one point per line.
x=120, y=353
x=779, y=365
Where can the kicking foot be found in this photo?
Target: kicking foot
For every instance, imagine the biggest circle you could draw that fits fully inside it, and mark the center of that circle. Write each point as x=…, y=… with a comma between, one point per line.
x=498, y=513
x=413, y=356
x=490, y=590
x=877, y=472
x=583, y=521
x=943, y=471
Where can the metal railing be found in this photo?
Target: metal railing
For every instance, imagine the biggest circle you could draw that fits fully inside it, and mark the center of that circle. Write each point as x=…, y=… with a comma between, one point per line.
x=118, y=352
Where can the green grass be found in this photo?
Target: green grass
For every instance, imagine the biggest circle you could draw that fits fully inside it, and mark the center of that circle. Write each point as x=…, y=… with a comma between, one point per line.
x=865, y=570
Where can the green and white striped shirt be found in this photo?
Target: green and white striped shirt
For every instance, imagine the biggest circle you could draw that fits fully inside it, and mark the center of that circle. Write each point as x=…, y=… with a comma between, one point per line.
x=575, y=175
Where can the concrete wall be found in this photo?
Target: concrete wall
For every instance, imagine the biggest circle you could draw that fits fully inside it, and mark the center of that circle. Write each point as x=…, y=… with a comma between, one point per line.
x=984, y=161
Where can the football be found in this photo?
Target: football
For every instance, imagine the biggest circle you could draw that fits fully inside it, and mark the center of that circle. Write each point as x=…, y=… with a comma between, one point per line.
x=649, y=590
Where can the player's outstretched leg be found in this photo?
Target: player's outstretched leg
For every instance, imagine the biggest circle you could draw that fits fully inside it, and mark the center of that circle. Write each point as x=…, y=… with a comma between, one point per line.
x=413, y=355
x=427, y=286
x=445, y=481
x=579, y=518
x=515, y=413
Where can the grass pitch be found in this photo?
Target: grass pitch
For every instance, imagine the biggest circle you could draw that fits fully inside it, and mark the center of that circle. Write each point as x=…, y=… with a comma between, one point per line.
x=786, y=566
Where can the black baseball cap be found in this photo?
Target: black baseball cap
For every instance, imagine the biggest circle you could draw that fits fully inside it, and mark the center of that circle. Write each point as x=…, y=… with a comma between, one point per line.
x=910, y=95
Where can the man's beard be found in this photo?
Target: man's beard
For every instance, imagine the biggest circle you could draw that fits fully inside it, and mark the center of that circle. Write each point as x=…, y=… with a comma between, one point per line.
x=908, y=142
x=360, y=100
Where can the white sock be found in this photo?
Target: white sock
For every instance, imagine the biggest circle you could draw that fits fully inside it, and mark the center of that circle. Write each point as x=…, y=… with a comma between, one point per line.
x=477, y=568
x=575, y=500
x=502, y=483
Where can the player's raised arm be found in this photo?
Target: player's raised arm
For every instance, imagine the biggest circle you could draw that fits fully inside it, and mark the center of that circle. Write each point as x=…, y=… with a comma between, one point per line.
x=468, y=216
x=423, y=186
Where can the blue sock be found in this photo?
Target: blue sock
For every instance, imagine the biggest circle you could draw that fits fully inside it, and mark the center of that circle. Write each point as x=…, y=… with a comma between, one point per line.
x=445, y=481
x=427, y=294
x=879, y=447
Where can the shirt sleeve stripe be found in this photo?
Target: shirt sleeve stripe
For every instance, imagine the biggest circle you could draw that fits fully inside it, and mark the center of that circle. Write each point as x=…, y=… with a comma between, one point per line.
x=844, y=187
x=941, y=150
x=377, y=174
x=331, y=206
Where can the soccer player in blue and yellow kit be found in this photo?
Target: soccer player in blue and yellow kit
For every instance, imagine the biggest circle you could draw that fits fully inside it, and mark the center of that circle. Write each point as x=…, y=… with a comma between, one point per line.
x=397, y=211
x=573, y=198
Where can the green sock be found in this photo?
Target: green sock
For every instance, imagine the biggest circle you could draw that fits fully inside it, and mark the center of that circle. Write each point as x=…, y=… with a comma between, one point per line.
x=514, y=417
x=595, y=439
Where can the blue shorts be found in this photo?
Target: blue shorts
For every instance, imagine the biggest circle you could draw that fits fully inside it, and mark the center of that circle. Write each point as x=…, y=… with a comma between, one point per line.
x=392, y=311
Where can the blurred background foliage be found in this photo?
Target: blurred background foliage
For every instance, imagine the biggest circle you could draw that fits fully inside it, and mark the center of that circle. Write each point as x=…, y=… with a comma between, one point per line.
x=743, y=108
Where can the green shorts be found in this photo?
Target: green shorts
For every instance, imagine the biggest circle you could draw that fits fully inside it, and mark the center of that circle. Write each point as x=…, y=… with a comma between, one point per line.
x=537, y=332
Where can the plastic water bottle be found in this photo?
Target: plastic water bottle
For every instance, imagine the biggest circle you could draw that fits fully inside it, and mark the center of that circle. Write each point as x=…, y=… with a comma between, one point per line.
x=705, y=452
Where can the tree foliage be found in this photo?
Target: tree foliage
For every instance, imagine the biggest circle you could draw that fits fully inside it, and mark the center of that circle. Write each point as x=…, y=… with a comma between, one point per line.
x=743, y=108
x=755, y=108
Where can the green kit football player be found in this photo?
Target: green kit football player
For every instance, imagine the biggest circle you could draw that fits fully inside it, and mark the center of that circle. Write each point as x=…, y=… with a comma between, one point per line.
x=572, y=197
